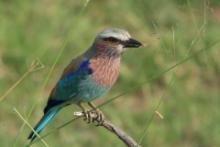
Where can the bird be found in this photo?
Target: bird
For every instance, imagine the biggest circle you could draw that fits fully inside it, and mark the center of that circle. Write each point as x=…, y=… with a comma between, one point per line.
x=89, y=76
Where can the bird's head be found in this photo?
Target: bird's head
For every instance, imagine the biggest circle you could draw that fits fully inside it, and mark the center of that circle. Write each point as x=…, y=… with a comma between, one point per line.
x=115, y=40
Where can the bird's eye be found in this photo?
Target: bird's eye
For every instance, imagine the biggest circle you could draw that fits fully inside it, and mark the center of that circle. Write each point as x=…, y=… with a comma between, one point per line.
x=111, y=39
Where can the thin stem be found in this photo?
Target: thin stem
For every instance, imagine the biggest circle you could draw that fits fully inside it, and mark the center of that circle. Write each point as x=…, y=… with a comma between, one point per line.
x=26, y=122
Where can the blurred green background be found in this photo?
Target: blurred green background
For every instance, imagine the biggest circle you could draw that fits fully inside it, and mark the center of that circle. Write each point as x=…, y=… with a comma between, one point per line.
x=171, y=29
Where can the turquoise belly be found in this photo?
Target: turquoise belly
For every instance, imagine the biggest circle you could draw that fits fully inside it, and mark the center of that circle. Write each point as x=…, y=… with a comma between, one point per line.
x=88, y=90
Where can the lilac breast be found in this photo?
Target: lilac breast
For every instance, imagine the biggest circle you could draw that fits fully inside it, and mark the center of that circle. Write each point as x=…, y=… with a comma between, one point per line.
x=105, y=71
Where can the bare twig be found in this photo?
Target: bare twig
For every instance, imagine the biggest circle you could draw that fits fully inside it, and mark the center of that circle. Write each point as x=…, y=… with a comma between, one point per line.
x=124, y=137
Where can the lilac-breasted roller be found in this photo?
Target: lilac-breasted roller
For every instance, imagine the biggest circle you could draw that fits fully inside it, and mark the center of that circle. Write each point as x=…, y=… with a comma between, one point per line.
x=89, y=76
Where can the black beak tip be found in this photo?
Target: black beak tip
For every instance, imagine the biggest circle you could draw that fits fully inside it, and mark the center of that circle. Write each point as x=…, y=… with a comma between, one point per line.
x=132, y=43
x=138, y=44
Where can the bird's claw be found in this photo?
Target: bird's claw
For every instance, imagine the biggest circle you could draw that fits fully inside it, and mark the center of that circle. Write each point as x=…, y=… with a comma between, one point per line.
x=87, y=116
x=94, y=116
x=99, y=117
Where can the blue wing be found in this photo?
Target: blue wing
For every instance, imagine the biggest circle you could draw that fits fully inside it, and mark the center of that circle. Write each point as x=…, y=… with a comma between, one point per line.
x=67, y=87
x=64, y=90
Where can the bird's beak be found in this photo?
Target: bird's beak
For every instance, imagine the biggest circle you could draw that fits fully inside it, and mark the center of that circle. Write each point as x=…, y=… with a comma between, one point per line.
x=132, y=43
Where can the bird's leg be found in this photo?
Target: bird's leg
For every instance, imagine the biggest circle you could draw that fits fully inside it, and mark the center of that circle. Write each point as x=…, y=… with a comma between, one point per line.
x=100, y=116
x=86, y=113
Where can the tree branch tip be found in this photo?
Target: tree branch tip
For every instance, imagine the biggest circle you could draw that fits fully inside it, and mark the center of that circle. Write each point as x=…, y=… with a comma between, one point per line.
x=126, y=139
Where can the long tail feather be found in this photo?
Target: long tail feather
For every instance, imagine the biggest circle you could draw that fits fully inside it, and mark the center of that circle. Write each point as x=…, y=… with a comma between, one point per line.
x=48, y=117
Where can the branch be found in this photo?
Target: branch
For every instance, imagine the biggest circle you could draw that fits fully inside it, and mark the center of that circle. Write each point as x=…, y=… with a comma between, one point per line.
x=125, y=138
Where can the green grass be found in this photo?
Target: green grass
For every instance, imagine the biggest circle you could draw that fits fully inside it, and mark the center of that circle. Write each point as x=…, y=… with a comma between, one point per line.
x=56, y=31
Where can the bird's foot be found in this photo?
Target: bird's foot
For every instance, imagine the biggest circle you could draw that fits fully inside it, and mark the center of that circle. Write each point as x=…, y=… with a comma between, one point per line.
x=94, y=116
x=99, y=117
x=88, y=116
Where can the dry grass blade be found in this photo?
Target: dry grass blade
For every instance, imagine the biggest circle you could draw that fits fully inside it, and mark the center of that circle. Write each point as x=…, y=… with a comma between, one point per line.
x=35, y=66
x=159, y=114
x=152, y=116
x=22, y=126
x=25, y=121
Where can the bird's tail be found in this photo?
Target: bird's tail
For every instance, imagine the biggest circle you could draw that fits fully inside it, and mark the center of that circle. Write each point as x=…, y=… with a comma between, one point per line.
x=48, y=116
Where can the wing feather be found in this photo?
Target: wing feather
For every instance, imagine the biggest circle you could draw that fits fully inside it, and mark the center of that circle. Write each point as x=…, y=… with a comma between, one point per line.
x=71, y=68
